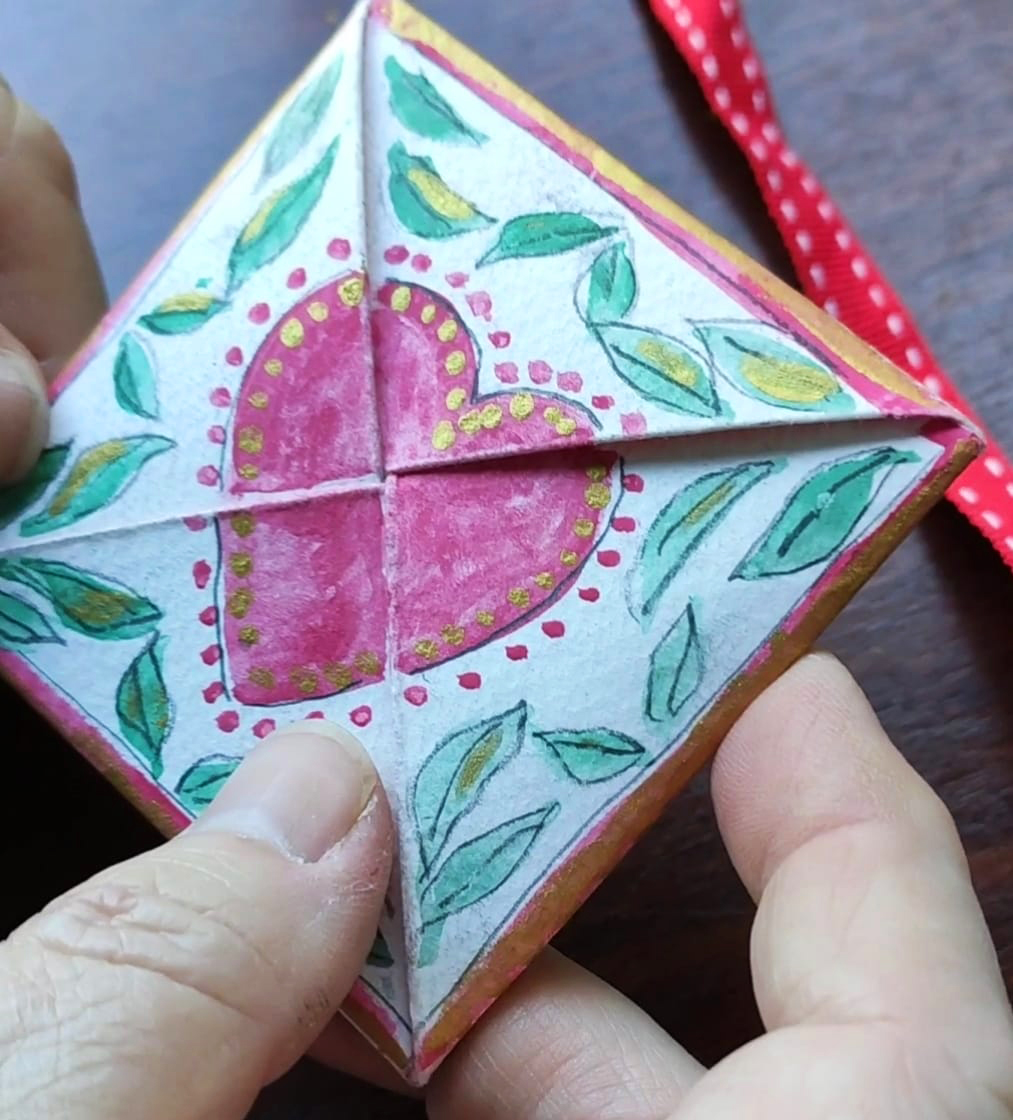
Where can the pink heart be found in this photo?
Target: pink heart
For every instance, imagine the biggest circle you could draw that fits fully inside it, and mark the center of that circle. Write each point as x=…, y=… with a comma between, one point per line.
x=468, y=551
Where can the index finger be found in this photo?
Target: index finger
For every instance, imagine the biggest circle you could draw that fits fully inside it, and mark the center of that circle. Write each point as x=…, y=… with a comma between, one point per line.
x=866, y=911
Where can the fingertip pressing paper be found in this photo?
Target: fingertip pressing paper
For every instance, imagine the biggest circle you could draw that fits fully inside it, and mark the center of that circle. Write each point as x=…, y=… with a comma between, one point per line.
x=527, y=478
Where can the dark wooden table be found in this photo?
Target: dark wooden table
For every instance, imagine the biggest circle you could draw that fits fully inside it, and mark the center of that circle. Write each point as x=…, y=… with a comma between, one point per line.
x=903, y=109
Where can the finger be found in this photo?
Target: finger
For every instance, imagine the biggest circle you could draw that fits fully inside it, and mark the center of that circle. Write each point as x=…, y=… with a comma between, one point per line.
x=210, y=964
x=866, y=909
x=562, y=1045
x=24, y=409
x=51, y=290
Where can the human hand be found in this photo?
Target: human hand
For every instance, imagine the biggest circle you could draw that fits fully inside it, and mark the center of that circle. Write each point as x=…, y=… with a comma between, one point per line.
x=175, y=985
x=872, y=967
x=51, y=292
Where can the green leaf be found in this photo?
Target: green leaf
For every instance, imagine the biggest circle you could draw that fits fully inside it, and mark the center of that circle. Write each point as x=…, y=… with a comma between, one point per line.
x=87, y=603
x=14, y=500
x=451, y=780
x=676, y=669
x=380, y=955
x=134, y=378
x=21, y=624
x=593, y=756
x=98, y=477
x=821, y=514
x=688, y=519
x=482, y=865
x=302, y=119
x=423, y=202
x=543, y=235
x=612, y=286
x=143, y=706
x=199, y=785
x=662, y=369
x=775, y=371
x=419, y=106
x=183, y=313
x=278, y=220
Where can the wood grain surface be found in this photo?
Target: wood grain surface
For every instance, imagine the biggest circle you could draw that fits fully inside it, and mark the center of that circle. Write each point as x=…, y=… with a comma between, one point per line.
x=903, y=109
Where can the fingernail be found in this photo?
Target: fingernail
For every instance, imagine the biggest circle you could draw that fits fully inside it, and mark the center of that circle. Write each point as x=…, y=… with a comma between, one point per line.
x=24, y=415
x=301, y=790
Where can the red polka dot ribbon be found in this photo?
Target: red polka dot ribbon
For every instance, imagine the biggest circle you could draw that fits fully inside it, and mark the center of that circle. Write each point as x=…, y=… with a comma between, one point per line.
x=832, y=266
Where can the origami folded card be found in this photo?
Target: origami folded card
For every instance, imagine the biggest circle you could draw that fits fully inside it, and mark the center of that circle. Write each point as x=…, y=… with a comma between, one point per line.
x=436, y=421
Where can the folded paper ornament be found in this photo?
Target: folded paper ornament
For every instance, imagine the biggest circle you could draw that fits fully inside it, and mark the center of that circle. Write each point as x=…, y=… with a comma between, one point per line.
x=434, y=420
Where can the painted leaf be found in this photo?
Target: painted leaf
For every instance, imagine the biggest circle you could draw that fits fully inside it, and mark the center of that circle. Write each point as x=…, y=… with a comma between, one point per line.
x=593, y=756
x=420, y=107
x=423, y=202
x=183, y=313
x=543, y=235
x=676, y=669
x=821, y=514
x=98, y=477
x=87, y=603
x=278, y=220
x=687, y=520
x=14, y=500
x=482, y=865
x=22, y=624
x=380, y=955
x=660, y=368
x=199, y=785
x=143, y=707
x=612, y=286
x=134, y=378
x=451, y=780
x=301, y=119
x=776, y=371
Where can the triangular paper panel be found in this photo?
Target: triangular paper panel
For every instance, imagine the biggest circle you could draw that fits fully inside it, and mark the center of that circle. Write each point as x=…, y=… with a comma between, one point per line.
x=436, y=421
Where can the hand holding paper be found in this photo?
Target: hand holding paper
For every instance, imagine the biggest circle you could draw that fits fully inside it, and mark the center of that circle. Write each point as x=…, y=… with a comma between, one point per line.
x=527, y=478
x=224, y=952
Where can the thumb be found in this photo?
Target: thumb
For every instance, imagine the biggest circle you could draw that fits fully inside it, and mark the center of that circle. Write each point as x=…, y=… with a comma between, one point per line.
x=177, y=984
